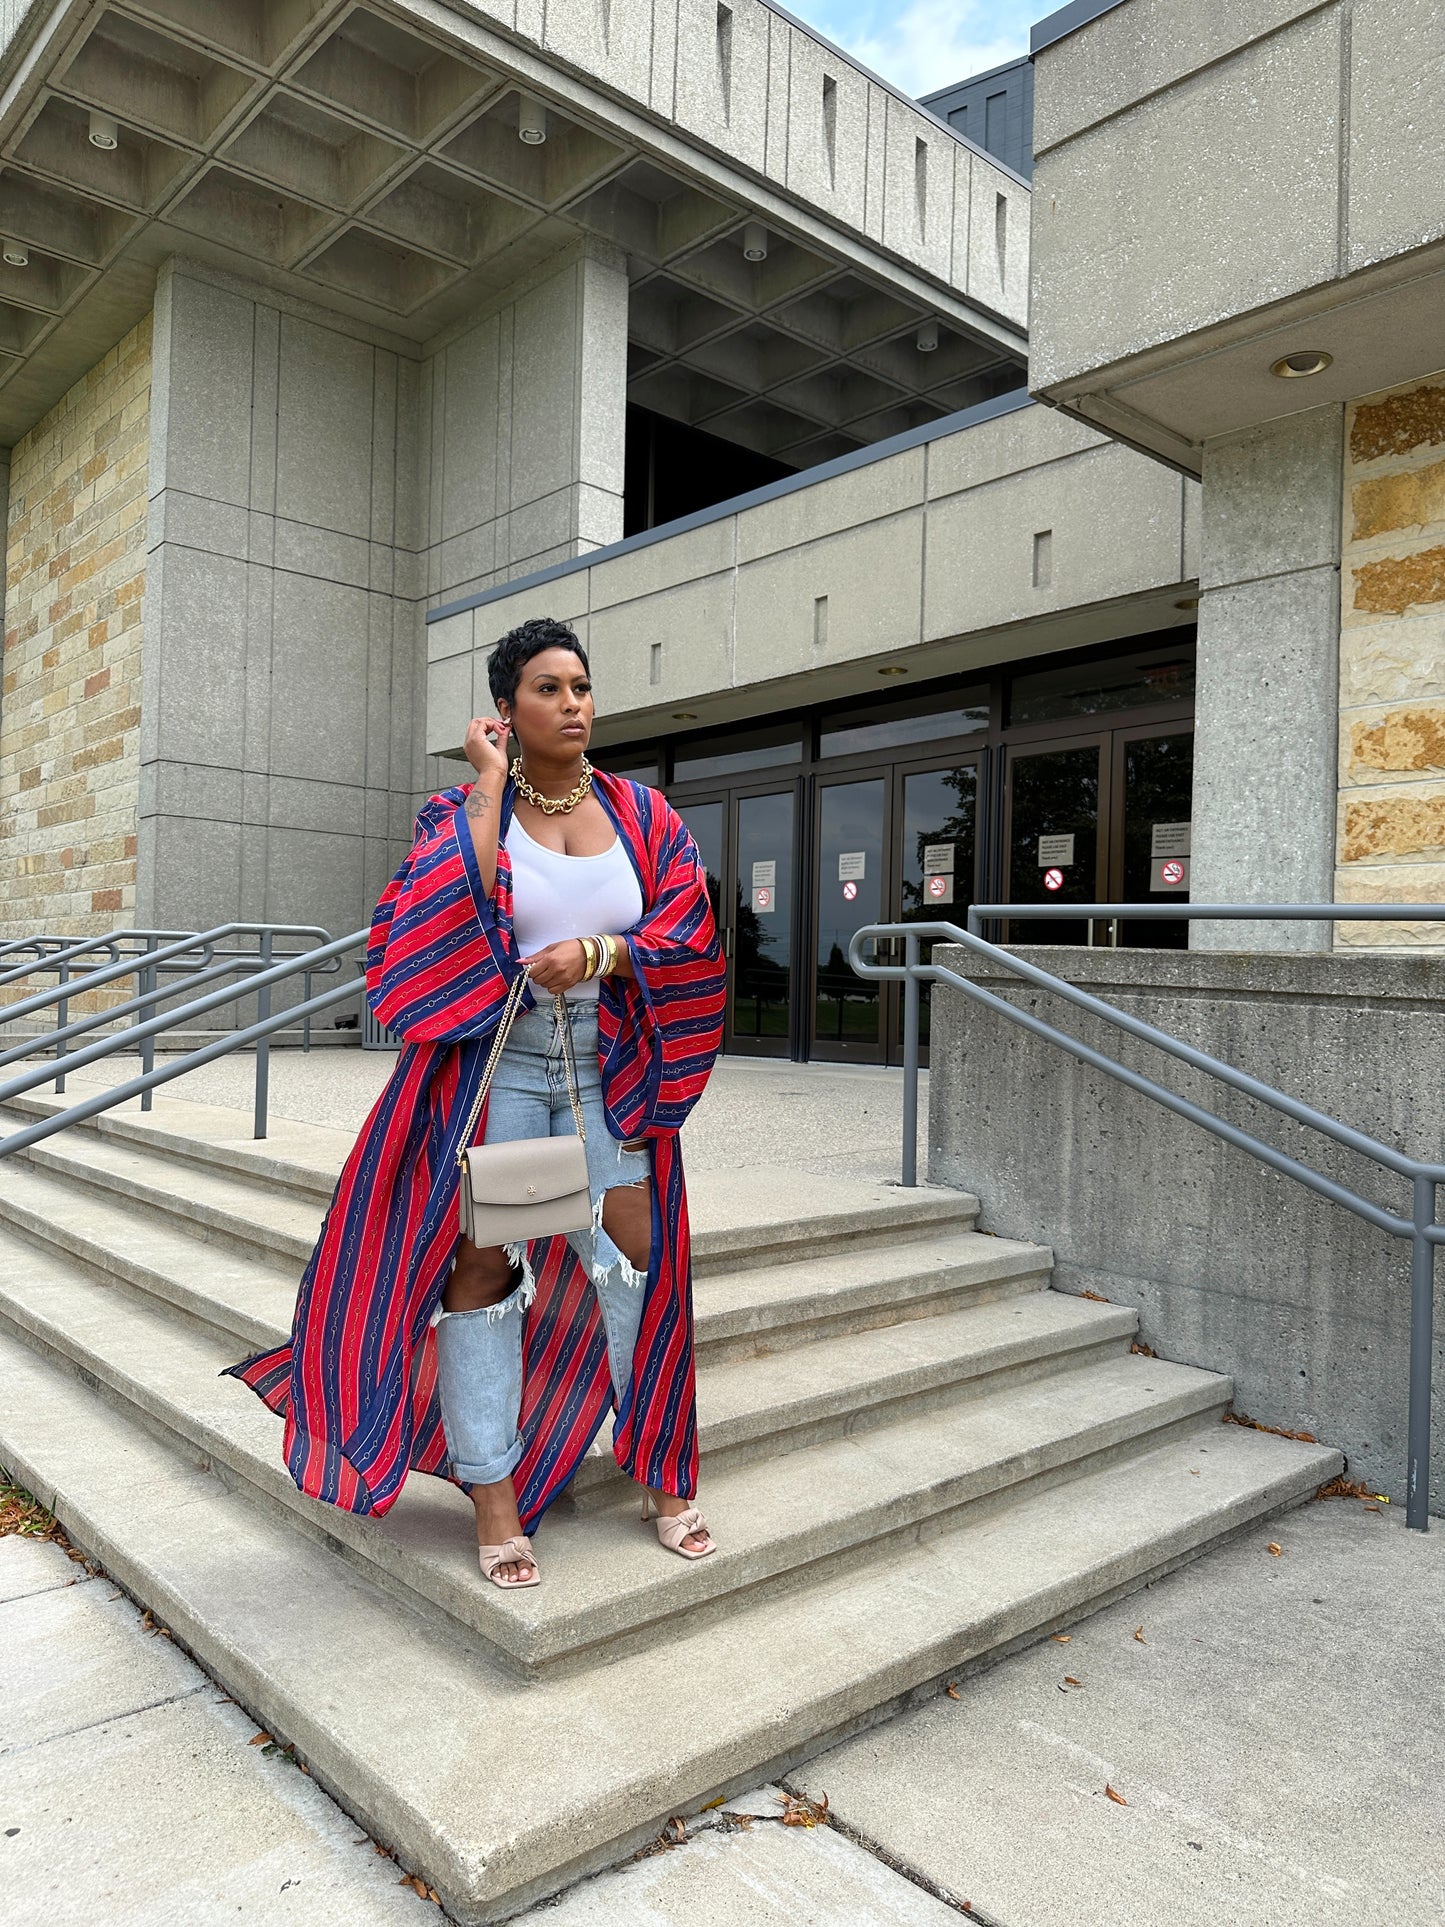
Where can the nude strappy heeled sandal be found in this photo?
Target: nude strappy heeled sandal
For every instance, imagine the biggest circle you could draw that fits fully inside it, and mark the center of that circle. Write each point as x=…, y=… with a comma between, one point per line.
x=511, y=1552
x=672, y=1532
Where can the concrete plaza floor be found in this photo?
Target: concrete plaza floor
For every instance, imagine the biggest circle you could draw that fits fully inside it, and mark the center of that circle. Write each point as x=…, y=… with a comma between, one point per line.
x=1277, y=1735
x=838, y=1119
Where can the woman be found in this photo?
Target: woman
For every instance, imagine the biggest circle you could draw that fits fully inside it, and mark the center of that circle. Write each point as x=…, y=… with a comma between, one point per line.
x=411, y=1347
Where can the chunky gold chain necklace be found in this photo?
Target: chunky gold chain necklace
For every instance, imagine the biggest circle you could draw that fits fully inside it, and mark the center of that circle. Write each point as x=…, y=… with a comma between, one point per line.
x=554, y=805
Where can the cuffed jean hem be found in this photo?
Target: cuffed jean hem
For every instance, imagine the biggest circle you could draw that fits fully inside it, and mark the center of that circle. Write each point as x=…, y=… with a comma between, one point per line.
x=489, y=1474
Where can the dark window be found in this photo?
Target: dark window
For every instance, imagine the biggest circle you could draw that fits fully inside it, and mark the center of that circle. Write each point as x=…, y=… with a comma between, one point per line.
x=1099, y=688
x=922, y=719
x=731, y=755
x=671, y=469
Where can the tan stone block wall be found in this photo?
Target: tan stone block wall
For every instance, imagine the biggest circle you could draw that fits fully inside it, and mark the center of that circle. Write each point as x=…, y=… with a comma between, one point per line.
x=1391, y=833
x=70, y=701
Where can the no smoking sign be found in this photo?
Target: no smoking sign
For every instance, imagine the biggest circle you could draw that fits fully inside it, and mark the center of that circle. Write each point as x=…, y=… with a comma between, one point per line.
x=1053, y=879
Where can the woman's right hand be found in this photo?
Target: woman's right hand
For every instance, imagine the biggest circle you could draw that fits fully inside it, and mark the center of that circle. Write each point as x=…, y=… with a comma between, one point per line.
x=485, y=746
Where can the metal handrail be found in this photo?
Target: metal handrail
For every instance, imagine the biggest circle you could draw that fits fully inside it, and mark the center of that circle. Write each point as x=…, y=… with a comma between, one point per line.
x=67, y=949
x=1420, y=1226
x=307, y=964
x=204, y=940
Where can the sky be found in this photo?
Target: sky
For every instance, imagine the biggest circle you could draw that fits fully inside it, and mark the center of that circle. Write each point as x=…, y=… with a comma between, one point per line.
x=922, y=45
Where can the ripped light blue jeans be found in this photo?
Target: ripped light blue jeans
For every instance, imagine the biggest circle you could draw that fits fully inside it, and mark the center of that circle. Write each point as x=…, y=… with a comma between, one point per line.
x=479, y=1353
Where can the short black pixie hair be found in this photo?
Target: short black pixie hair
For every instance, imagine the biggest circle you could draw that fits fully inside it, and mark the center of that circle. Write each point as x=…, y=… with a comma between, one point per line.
x=513, y=651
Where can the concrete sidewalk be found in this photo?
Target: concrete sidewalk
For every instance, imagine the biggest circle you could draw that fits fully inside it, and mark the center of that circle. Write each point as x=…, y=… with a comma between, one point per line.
x=1277, y=1735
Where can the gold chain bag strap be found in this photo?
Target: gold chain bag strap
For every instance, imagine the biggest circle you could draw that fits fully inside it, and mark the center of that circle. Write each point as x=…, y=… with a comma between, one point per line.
x=534, y=1187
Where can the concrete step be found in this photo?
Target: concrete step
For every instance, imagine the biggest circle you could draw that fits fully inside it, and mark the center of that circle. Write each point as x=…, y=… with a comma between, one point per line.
x=405, y=1723
x=166, y=1375
x=738, y=1313
x=271, y=1203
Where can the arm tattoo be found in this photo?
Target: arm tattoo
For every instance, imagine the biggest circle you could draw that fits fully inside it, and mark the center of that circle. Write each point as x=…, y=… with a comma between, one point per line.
x=477, y=804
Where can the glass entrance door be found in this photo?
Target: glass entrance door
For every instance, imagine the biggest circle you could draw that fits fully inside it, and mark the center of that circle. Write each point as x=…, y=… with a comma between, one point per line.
x=848, y=892
x=937, y=870
x=760, y=1003
x=1055, y=842
x=1154, y=781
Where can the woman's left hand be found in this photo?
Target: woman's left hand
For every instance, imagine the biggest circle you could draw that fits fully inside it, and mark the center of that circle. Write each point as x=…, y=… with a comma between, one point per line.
x=560, y=966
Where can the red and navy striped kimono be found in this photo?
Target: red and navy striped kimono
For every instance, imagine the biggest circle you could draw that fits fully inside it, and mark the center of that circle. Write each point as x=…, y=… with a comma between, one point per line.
x=357, y=1384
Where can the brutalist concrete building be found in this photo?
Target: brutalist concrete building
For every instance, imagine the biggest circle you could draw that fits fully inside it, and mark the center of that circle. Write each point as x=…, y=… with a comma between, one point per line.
x=336, y=338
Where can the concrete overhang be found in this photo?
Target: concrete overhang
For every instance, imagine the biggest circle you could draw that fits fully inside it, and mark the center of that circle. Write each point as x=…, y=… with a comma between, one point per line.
x=1217, y=189
x=365, y=156
x=1006, y=533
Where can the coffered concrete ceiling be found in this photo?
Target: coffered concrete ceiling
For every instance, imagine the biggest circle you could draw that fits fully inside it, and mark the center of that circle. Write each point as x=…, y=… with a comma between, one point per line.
x=367, y=158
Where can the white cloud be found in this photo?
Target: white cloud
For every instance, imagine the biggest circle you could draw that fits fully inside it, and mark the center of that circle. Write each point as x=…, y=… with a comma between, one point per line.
x=927, y=44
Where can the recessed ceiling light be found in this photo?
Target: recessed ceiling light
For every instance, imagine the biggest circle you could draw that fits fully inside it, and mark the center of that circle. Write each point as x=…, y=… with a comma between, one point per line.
x=892, y=669
x=1307, y=361
x=531, y=122
x=16, y=256
x=104, y=132
x=684, y=715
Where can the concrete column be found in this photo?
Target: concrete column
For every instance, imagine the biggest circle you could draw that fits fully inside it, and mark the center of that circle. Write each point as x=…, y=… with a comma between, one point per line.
x=1265, y=755
x=526, y=426
x=282, y=667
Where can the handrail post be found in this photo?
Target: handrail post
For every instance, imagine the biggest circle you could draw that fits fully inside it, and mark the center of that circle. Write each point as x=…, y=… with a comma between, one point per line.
x=263, y=1043
x=306, y=1020
x=910, y=1060
x=147, y=983
x=63, y=1012
x=1422, y=1348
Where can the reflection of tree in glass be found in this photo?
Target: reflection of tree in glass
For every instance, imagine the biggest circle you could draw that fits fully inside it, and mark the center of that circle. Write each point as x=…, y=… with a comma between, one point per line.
x=957, y=829
x=1158, y=784
x=1158, y=781
x=760, y=980
x=1055, y=794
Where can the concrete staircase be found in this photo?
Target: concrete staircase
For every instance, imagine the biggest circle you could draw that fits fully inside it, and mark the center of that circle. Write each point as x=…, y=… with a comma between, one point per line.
x=915, y=1454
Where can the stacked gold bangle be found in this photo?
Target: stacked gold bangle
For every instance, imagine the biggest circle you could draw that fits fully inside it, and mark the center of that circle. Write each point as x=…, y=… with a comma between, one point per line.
x=601, y=956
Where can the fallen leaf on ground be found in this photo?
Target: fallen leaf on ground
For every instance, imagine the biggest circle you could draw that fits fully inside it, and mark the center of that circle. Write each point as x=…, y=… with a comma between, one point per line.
x=261, y=1739
x=1139, y=1635
x=1097, y=1296
x=415, y=1882
x=714, y=1803
x=952, y=1691
x=1117, y=1798
x=800, y=1811
x=1069, y=1681
x=1061, y=1639
x=1275, y=1547
x=1144, y=1351
x=1276, y=1431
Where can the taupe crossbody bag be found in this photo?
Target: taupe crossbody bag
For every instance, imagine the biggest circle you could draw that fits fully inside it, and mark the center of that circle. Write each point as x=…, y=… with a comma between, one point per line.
x=534, y=1187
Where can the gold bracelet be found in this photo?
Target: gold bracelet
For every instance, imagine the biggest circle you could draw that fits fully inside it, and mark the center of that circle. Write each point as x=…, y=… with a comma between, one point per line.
x=611, y=964
x=590, y=958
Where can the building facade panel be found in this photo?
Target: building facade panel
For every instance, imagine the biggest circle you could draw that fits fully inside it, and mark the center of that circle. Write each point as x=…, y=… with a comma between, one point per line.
x=1209, y=198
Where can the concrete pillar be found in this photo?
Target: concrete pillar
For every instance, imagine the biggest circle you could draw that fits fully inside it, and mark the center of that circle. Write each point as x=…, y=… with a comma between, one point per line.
x=526, y=426
x=280, y=753
x=1265, y=755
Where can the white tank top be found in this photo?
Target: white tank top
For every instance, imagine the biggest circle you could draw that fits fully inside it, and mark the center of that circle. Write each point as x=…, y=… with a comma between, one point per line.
x=556, y=896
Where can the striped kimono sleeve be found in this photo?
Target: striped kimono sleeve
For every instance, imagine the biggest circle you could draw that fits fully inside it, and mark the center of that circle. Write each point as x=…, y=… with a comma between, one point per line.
x=438, y=958
x=659, y=1036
